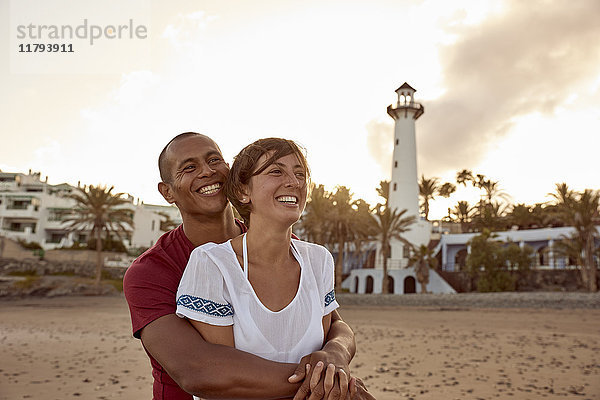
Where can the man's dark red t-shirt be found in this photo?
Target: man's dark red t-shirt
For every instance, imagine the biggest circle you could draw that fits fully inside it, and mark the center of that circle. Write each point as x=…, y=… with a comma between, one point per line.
x=150, y=287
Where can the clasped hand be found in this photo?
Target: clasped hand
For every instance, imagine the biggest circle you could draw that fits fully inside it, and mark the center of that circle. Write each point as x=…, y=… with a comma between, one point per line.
x=324, y=379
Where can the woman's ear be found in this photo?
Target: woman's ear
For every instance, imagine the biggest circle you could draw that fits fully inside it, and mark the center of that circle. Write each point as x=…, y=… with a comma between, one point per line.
x=244, y=196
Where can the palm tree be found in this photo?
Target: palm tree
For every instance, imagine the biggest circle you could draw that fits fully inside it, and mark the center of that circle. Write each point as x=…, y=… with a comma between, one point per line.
x=464, y=176
x=462, y=213
x=585, y=218
x=582, y=212
x=542, y=215
x=427, y=190
x=315, y=224
x=521, y=215
x=387, y=225
x=362, y=228
x=563, y=195
x=423, y=260
x=384, y=191
x=572, y=250
x=446, y=189
x=341, y=221
x=491, y=189
x=489, y=216
x=100, y=211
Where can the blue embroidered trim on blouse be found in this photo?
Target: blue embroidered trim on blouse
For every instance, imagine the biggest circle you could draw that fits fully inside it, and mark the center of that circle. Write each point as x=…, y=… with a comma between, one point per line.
x=205, y=306
x=329, y=298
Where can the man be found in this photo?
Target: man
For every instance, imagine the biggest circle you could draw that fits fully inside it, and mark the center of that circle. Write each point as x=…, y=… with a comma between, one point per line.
x=193, y=171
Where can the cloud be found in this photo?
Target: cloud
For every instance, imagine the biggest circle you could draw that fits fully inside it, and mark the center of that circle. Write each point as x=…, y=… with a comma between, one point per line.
x=530, y=58
x=380, y=138
x=187, y=27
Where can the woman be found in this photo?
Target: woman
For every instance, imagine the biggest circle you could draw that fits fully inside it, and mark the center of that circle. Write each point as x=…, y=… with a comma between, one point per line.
x=263, y=292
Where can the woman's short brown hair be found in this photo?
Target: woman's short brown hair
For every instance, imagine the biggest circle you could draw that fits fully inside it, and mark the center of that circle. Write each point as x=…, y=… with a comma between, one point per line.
x=245, y=167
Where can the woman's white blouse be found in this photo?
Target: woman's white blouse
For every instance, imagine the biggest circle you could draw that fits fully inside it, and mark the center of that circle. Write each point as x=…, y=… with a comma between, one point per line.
x=215, y=290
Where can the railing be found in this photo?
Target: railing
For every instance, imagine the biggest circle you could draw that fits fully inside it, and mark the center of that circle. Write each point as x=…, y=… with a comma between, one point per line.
x=56, y=218
x=559, y=263
x=392, y=264
x=17, y=206
x=11, y=229
x=393, y=109
x=416, y=106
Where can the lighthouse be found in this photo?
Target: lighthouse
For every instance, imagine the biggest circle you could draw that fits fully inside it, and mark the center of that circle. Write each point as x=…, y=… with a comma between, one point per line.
x=404, y=186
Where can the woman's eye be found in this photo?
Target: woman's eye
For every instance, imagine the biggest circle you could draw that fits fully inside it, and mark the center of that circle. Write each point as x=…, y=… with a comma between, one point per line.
x=189, y=168
x=214, y=160
x=275, y=171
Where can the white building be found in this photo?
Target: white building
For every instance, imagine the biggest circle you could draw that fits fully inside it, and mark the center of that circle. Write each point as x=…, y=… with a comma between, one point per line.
x=404, y=186
x=455, y=247
x=403, y=195
x=32, y=210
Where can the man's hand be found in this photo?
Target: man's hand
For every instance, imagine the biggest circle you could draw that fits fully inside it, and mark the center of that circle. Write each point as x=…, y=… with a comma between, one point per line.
x=333, y=384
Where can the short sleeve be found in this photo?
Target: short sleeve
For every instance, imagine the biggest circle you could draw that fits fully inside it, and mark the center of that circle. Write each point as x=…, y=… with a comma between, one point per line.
x=328, y=295
x=202, y=294
x=150, y=298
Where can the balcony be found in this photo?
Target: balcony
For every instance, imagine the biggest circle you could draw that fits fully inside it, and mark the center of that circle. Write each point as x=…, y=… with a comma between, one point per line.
x=54, y=225
x=392, y=264
x=26, y=228
x=395, y=110
x=18, y=206
x=20, y=211
x=7, y=186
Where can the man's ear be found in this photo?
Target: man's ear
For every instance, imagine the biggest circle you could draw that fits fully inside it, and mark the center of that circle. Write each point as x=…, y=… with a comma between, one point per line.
x=165, y=190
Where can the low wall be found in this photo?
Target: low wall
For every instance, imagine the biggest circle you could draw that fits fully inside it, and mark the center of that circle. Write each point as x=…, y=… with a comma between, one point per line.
x=10, y=248
x=538, y=280
x=48, y=267
x=83, y=256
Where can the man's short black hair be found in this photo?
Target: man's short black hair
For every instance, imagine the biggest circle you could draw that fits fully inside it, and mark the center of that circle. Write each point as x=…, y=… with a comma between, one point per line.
x=163, y=165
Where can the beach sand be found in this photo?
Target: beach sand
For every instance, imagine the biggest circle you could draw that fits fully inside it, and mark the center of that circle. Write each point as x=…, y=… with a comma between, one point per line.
x=81, y=347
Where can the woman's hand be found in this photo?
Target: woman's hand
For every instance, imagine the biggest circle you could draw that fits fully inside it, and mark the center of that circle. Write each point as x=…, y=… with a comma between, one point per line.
x=324, y=377
x=358, y=390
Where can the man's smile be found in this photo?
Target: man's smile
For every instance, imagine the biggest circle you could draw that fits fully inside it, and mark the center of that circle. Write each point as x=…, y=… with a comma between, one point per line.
x=210, y=189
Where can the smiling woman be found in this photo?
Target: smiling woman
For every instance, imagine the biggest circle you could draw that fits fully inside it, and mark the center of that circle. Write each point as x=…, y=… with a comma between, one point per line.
x=270, y=161
x=264, y=292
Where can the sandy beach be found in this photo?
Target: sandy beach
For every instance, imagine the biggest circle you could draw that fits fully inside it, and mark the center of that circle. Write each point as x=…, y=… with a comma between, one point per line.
x=81, y=347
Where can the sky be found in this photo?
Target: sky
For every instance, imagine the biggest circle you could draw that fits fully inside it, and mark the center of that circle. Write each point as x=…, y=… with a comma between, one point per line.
x=511, y=89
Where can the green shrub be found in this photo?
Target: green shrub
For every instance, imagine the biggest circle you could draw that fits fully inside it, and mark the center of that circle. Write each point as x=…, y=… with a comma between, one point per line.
x=491, y=263
x=30, y=245
x=27, y=283
x=29, y=272
x=116, y=283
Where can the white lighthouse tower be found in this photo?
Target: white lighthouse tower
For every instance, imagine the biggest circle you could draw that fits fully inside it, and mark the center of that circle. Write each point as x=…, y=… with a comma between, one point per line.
x=404, y=187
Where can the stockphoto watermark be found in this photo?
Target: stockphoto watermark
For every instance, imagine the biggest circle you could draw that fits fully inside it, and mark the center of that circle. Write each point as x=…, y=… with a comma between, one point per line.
x=85, y=30
x=83, y=36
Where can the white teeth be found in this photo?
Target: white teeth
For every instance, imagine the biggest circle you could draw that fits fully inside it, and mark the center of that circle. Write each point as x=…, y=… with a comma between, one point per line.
x=210, y=189
x=288, y=199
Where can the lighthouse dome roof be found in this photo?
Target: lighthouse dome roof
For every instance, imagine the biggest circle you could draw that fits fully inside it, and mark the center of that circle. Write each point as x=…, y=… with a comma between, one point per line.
x=406, y=86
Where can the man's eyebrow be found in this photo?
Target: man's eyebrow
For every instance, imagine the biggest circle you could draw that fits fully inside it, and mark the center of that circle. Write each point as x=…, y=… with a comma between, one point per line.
x=195, y=159
x=214, y=153
x=187, y=160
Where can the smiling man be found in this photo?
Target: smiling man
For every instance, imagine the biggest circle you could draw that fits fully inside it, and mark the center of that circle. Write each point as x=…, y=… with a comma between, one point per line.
x=193, y=172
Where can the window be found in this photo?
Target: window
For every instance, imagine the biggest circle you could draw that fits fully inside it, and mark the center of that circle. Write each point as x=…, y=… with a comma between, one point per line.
x=394, y=186
x=395, y=164
x=396, y=142
x=405, y=252
x=152, y=225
